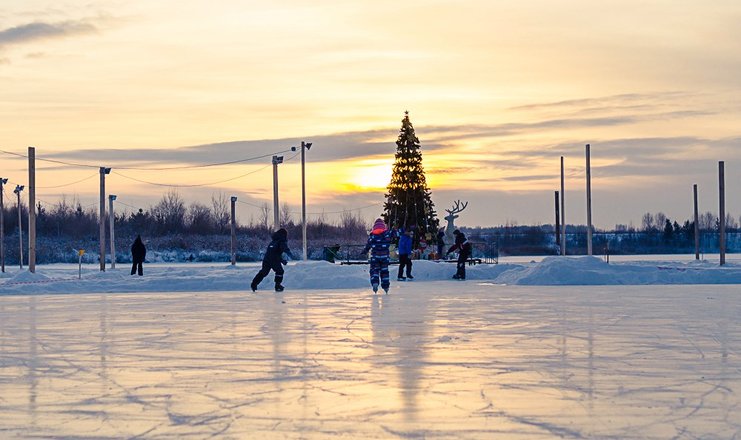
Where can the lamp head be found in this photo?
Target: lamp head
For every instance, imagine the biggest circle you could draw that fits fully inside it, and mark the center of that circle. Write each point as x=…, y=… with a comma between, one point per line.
x=4, y=181
x=308, y=145
x=18, y=188
x=234, y=198
x=112, y=196
x=106, y=170
x=277, y=160
x=293, y=148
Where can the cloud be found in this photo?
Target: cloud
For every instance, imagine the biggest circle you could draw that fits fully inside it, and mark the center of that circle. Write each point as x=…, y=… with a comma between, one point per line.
x=40, y=30
x=626, y=99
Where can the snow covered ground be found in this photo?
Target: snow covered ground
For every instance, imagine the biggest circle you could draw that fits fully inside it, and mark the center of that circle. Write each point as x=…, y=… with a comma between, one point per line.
x=198, y=277
x=563, y=347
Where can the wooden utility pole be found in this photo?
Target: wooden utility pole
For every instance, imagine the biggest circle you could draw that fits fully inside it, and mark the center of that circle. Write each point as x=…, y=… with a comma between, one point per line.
x=111, y=224
x=234, y=231
x=3, y=181
x=101, y=219
x=563, y=214
x=697, y=225
x=18, y=189
x=722, y=197
x=276, y=209
x=589, y=203
x=558, y=223
x=32, y=209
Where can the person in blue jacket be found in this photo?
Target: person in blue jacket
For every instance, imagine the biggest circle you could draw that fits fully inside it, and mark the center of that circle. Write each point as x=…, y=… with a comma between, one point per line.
x=406, y=237
x=274, y=260
x=378, y=244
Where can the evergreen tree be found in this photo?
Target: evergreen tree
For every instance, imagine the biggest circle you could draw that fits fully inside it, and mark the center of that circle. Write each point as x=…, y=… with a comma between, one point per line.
x=408, y=200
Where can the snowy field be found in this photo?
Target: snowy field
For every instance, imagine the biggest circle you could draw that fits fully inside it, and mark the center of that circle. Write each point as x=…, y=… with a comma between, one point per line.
x=560, y=348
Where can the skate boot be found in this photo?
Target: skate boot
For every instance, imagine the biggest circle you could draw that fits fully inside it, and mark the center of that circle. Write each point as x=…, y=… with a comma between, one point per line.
x=401, y=279
x=375, y=287
x=279, y=288
x=410, y=277
x=253, y=286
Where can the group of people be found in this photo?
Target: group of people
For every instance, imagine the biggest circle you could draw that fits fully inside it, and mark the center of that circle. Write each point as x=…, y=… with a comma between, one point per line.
x=379, y=246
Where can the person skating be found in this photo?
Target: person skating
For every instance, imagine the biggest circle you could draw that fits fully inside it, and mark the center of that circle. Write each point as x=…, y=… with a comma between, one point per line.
x=138, y=254
x=378, y=244
x=406, y=237
x=464, y=251
x=274, y=260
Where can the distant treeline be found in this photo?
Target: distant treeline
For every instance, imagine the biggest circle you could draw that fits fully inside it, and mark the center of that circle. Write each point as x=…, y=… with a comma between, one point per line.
x=198, y=228
x=657, y=234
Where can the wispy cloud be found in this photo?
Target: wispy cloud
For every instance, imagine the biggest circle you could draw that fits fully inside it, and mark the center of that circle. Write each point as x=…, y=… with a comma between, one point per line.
x=41, y=30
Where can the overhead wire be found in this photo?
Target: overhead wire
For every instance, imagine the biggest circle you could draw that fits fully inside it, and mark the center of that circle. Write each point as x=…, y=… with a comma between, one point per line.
x=134, y=168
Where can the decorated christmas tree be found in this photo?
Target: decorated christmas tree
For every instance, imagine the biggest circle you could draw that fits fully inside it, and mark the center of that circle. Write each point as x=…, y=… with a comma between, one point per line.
x=408, y=200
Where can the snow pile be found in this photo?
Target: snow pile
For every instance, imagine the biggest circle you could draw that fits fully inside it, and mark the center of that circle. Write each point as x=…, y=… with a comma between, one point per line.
x=202, y=277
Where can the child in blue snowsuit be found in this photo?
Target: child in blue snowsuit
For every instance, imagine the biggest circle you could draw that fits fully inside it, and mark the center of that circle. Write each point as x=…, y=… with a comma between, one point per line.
x=379, y=241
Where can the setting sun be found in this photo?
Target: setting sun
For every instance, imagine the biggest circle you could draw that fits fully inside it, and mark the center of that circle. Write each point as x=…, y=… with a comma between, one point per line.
x=371, y=174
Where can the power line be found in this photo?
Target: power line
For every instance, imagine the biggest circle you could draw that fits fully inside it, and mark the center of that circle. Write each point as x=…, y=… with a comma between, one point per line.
x=67, y=184
x=170, y=185
x=133, y=168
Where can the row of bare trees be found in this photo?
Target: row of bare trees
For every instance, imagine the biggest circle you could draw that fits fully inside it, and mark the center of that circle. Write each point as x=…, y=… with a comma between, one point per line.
x=172, y=215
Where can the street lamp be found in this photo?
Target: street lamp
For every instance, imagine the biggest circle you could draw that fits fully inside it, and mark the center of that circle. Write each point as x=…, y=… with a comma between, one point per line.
x=276, y=219
x=304, y=146
x=101, y=220
x=3, y=181
x=111, y=219
x=17, y=191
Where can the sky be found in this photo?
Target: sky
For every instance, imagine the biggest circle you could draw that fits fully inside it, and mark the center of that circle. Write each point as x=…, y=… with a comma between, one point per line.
x=497, y=92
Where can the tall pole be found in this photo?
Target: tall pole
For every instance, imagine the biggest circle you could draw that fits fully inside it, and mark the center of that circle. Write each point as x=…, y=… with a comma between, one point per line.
x=558, y=222
x=276, y=213
x=589, y=202
x=234, y=231
x=3, y=181
x=111, y=221
x=697, y=225
x=17, y=191
x=722, y=197
x=304, y=146
x=101, y=219
x=32, y=209
x=563, y=214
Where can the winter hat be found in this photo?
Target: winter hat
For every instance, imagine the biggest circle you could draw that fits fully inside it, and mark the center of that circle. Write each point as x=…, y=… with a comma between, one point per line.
x=379, y=224
x=456, y=232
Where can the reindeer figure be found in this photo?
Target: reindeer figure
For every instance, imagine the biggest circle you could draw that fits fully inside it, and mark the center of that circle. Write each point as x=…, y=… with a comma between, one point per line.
x=451, y=217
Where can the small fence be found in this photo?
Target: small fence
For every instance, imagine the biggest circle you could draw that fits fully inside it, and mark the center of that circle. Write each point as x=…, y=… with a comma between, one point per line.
x=481, y=253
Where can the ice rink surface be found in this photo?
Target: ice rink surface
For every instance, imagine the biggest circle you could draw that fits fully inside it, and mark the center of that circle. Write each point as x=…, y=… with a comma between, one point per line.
x=439, y=359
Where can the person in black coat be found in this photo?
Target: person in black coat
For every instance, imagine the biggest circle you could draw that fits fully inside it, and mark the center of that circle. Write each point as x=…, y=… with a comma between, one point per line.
x=138, y=253
x=274, y=260
x=464, y=251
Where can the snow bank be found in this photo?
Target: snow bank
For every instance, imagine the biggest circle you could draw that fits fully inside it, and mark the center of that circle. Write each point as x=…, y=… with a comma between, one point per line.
x=185, y=277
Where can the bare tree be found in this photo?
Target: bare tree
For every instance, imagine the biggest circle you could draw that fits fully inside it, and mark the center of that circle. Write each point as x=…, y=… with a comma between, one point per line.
x=200, y=220
x=169, y=212
x=660, y=220
x=264, y=216
x=286, y=219
x=221, y=211
x=647, y=222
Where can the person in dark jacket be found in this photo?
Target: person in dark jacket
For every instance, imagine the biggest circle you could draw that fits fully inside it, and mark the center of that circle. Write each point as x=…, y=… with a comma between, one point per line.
x=406, y=236
x=274, y=260
x=464, y=251
x=138, y=254
x=440, y=243
x=378, y=244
